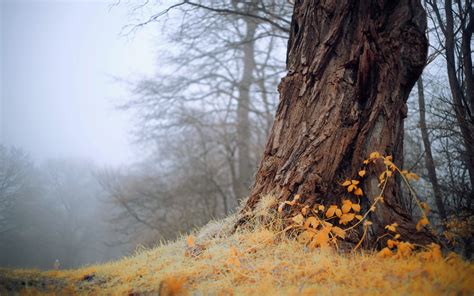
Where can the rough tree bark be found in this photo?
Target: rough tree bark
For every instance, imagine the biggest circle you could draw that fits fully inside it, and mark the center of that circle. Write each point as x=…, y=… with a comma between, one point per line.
x=351, y=66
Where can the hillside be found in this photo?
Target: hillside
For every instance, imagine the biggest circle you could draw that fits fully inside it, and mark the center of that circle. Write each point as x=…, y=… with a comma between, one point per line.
x=251, y=261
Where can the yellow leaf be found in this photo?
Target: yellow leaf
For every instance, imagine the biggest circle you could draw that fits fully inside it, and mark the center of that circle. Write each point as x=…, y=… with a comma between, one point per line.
x=382, y=176
x=362, y=173
x=359, y=217
x=385, y=253
x=338, y=212
x=321, y=207
x=298, y=219
x=367, y=223
x=355, y=182
x=330, y=212
x=425, y=207
x=392, y=227
x=423, y=221
x=358, y=192
x=351, y=187
x=346, y=218
x=404, y=249
x=346, y=183
x=327, y=224
x=397, y=236
x=339, y=232
x=374, y=155
x=190, y=241
x=391, y=243
x=311, y=221
x=366, y=161
x=346, y=207
x=356, y=207
x=296, y=197
x=321, y=239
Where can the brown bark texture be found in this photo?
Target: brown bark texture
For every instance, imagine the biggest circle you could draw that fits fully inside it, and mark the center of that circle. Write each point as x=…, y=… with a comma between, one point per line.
x=351, y=66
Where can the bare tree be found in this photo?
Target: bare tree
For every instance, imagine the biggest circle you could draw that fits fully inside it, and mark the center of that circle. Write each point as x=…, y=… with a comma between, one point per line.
x=223, y=83
x=15, y=167
x=454, y=23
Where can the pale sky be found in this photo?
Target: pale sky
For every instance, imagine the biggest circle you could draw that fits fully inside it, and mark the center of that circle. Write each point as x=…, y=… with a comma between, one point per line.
x=57, y=92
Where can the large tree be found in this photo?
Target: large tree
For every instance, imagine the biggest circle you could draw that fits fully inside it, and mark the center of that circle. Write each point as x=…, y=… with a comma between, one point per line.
x=351, y=66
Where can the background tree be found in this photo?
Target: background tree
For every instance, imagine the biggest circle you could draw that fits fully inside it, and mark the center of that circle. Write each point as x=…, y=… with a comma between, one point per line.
x=15, y=168
x=52, y=212
x=454, y=28
x=207, y=111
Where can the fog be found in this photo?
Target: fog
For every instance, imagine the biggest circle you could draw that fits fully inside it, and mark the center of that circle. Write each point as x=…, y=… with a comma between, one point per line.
x=60, y=62
x=62, y=65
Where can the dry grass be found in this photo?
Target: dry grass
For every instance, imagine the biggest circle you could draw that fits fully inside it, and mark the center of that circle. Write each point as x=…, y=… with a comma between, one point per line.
x=256, y=261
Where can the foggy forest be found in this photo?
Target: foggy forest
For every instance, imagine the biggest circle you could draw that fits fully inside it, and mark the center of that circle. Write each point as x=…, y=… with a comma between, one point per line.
x=236, y=147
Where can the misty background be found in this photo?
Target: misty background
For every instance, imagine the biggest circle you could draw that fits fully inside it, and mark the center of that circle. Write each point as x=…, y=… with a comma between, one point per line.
x=125, y=123
x=60, y=61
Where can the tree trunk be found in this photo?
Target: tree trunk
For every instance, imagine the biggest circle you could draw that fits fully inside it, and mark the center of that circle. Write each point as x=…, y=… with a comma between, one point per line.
x=429, y=163
x=351, y=66
x=461, y=107
x=244, y=138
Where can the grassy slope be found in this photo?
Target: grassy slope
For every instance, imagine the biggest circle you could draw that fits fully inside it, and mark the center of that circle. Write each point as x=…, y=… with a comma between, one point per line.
x=257, y=261
x=252, y=262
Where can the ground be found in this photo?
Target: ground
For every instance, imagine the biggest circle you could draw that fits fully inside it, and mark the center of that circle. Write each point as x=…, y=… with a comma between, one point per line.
x=256, y=261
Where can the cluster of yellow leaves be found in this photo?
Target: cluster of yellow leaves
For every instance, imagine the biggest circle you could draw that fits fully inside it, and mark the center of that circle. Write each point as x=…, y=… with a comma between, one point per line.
x=403, y=249
x=344, y=213
x=392, y=227
x=352, y=186
x=316, y=230
x=319, y=232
